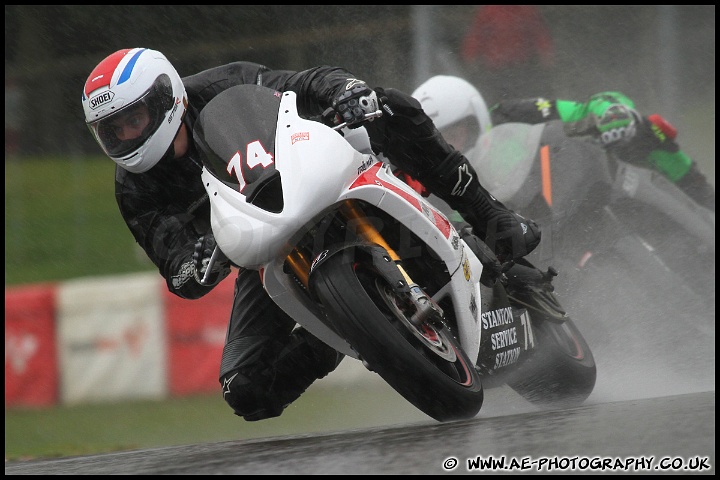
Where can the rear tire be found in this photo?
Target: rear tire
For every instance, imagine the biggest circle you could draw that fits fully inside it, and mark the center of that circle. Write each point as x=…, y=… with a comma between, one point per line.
x=425, y=364
x=561, y=371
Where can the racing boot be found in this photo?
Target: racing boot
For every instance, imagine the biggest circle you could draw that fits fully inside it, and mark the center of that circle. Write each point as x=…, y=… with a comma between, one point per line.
x=410, y=140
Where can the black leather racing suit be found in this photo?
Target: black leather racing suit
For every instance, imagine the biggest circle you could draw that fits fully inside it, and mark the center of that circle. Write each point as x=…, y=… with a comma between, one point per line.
x=265, y=365
x=266, y=362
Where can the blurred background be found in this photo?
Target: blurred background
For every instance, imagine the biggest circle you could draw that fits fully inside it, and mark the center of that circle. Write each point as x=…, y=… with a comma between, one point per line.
x=60, y=216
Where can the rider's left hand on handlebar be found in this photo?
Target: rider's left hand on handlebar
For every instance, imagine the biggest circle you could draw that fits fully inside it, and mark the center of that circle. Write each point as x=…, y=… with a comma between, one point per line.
x=354, y=101
x=204, y=249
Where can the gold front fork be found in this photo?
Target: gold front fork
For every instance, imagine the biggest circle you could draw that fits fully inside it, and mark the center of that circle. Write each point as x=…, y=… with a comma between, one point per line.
x=300, y=263
x=366, y=229
x=369, y=233
x=425, y=308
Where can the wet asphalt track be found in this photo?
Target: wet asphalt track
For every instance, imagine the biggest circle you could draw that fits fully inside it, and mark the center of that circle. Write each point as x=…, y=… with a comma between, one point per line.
x=679, y=427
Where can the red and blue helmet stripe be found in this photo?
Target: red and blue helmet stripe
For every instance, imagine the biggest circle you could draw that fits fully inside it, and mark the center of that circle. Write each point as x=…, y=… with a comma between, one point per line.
x=102, y=75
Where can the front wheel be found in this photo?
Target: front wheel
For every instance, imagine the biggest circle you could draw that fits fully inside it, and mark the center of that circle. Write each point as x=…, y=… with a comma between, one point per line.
x=424, y=363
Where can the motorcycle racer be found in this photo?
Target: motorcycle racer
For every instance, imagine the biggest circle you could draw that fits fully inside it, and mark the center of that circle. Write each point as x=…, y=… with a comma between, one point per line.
x=141, y=113
x=458, y=108
x=612, y=118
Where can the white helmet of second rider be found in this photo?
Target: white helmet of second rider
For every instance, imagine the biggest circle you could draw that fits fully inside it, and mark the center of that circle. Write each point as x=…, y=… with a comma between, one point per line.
x=458, y=110
x=125, y=85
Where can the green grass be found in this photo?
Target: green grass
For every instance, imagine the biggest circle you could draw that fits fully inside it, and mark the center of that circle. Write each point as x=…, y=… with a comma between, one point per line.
x=62, y=221
x=101, y=428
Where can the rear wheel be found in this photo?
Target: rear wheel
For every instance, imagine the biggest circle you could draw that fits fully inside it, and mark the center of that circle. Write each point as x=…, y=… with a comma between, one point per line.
x=561, y=371
x=424, y=362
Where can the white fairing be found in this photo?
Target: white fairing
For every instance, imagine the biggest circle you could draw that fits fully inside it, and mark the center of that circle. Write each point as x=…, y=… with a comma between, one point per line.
x=319, y=168
x=316, y=165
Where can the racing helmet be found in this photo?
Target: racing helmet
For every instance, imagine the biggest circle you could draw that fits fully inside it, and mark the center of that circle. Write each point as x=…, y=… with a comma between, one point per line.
x=458, y=110
x=134, y=102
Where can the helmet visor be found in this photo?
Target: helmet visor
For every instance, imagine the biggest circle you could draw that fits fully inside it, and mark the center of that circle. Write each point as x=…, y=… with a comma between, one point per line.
x=126, y=130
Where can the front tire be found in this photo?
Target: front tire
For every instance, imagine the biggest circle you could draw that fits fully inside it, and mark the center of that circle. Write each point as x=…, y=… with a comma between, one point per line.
x=424, y=363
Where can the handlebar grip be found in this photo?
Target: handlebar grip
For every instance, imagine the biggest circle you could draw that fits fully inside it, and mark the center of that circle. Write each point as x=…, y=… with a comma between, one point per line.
x=368, y=116
x=213, y=258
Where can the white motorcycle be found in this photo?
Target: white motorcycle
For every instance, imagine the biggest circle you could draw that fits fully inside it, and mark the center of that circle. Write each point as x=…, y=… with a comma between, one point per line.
x=374, y=270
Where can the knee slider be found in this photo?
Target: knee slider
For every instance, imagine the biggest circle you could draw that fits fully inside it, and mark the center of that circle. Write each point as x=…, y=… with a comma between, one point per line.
x=251, y=400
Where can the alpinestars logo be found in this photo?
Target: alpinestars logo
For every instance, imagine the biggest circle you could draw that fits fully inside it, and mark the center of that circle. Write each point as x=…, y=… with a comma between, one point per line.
x=543, y=106
x=464, y=179
x=226, y=384
x=352, y=83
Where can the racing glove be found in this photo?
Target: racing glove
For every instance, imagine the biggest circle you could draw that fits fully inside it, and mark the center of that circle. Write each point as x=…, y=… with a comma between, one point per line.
x=353, y=102
x=615, y=127
x=204, y=249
